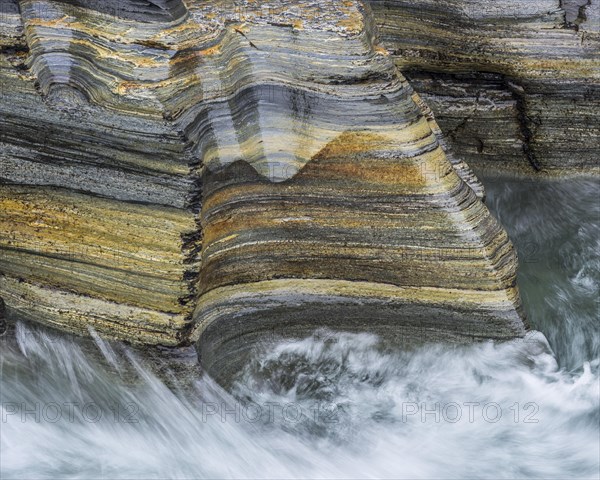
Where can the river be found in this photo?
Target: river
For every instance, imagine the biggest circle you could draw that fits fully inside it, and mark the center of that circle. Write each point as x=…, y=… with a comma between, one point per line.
x=336, y=405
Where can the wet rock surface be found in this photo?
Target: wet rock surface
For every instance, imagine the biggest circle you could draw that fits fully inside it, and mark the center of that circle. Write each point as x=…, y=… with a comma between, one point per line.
x=208, y=171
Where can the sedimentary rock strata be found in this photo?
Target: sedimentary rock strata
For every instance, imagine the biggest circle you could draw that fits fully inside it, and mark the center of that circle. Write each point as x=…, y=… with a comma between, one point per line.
x=179, y=171
x=529, y=71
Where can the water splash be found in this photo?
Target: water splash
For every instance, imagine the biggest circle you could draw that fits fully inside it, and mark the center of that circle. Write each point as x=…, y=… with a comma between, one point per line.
x=333, y=405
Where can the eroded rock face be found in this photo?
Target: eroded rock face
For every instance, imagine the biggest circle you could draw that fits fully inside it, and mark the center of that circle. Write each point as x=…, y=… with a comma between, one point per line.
x=527, y=71
x=219, y=171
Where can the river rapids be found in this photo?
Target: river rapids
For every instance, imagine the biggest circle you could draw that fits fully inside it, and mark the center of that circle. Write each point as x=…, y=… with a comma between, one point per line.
x=336, y=405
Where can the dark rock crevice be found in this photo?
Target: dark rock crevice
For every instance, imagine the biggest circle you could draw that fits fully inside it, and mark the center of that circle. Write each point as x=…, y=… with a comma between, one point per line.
x=527, y=124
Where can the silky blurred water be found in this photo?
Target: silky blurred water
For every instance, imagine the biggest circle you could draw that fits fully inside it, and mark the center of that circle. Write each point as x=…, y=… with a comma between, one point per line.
x=555, y=226
x=336, y=405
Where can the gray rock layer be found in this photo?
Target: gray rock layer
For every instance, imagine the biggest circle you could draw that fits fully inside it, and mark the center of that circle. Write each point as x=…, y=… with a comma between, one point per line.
x=527, y=70
x=210, y=171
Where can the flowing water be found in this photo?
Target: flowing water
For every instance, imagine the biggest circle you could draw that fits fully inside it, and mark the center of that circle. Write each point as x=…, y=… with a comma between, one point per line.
x=335, y=404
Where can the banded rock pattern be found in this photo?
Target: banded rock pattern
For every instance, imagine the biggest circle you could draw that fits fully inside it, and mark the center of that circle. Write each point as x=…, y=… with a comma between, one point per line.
x=214, y=171
x=517, y=84
x=99, y=199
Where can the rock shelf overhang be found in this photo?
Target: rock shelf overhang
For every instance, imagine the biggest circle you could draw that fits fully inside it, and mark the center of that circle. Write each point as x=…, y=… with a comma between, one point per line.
x=208, y=171
x=514, y=84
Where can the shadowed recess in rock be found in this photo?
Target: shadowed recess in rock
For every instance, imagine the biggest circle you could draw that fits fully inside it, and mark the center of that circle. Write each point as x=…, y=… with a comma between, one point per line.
x=544, y=97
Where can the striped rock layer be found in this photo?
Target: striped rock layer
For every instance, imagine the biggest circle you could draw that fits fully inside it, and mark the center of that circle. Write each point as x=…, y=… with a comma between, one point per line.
x=217, y=171
x=515, y=84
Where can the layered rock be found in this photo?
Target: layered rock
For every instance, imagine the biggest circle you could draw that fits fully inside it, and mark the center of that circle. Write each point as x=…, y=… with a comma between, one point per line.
x=220, y=171
x=480, y=118
x=99, y=199
x=529, y=70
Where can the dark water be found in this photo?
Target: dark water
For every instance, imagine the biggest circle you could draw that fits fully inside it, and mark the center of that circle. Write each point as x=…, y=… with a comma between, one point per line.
x=555, y=227
x=333, y=405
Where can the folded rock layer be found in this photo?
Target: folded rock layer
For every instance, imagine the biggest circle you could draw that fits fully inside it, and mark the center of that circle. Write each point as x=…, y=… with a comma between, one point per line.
x=217, y=171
